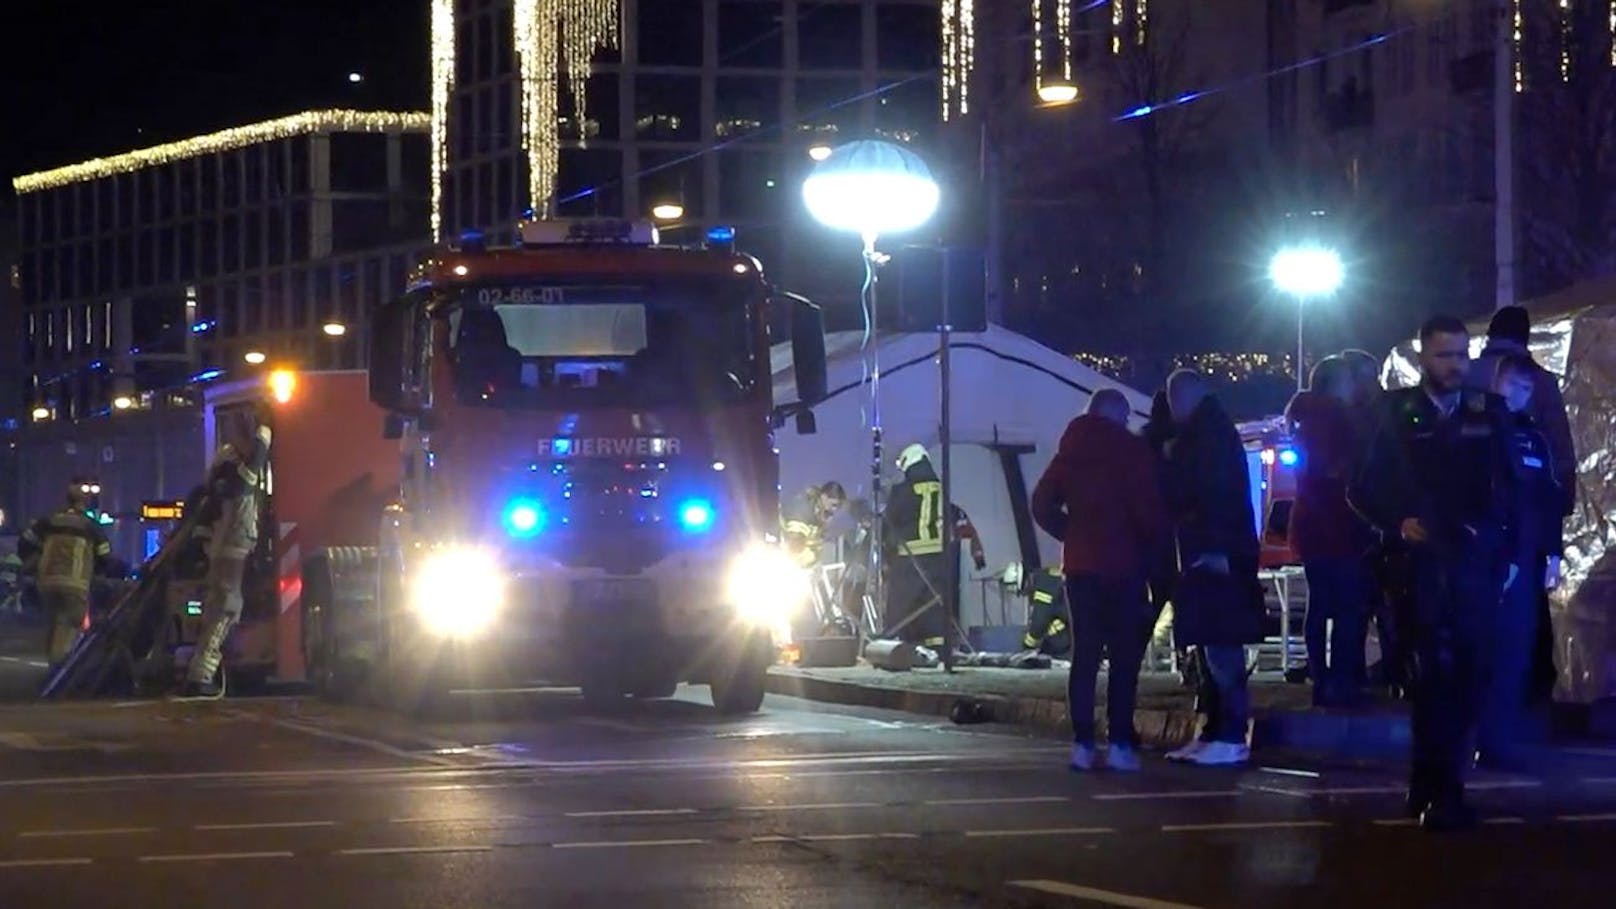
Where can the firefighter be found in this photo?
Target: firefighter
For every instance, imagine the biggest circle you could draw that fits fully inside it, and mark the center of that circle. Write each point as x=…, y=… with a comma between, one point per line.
x=805, y=518
x=1439, y=477
x=234, y=483
x=64, y=550
x=917, y=567
x=1049, y=625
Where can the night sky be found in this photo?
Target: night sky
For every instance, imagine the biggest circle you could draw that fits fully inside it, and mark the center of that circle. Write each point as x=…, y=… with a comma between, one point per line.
x=92, y=78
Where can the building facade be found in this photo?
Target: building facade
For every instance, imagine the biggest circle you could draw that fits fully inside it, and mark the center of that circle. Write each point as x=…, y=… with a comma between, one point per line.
x=140, y=273
x=708, y=106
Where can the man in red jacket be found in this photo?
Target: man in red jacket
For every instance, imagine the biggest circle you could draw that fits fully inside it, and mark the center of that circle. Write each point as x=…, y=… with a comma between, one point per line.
x=1329, y=536
x=1100, y=497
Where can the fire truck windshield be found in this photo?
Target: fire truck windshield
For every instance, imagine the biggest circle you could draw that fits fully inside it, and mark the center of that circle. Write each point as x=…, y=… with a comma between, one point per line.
x=531, y=346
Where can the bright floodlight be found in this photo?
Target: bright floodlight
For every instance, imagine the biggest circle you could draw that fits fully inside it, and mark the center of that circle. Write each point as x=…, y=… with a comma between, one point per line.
x=1307, y=271
x=871, y=187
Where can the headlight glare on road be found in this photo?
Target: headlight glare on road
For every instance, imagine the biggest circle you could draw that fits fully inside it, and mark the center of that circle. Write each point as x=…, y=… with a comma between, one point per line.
x=765, y=586
x=458, y=592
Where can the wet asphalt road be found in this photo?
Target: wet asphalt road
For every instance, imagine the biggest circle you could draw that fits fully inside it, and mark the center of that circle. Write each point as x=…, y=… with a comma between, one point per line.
x=526, y=799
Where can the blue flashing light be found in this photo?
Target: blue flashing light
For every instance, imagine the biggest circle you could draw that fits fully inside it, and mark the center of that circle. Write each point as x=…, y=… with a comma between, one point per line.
x=207, y=375
x=721, y=234
x=696, y=515
x=201, y=327
x=561, y=447
x=1289, y=457
x=524, y=518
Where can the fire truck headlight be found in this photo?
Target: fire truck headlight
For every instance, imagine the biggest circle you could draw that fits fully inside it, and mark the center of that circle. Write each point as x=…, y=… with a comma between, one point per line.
x=458, y=592
x=765, y=586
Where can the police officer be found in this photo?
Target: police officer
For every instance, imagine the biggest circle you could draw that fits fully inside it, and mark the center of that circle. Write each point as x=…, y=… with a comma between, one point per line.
x=804, y=519
x=917, y=567
x=64, y=550
x=1439, y=477
x=1049, y=628
x=234, y=482
x=1539, y=545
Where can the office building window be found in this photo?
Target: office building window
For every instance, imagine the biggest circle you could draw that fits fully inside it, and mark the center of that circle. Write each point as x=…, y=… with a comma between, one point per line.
x=750, y=35
x=670, y=32
x=830, y=35
x=821, y=105
x=747, y=109
x=749, y=184
x=667, y=108
x=604, y=94
x=907, y=36
x=671, y=177
x=590, y=183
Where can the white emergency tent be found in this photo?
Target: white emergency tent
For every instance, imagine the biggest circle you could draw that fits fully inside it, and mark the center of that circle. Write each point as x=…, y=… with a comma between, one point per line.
x=1012, y=398
x=1574, y=336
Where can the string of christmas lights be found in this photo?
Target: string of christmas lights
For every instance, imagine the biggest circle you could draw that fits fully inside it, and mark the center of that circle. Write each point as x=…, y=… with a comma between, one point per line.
x=443, y=76
x=959, y=55
x=1566, y=12
x=1119, y=13
x=344, y=121
x=1515, y=41
x=1141, y=18
x=555, y=38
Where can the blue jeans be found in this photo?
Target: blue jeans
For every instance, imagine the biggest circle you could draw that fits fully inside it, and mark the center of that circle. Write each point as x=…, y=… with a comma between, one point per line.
x=1337, y=623
x=1113, y=616
x=1223, y=696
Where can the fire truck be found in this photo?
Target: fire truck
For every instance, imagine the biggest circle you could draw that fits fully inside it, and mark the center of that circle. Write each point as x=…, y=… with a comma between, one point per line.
x=559, y=468
x=1273, y=460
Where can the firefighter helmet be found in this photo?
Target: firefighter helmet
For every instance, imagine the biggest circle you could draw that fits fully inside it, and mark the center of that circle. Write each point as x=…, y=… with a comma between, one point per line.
x=912, y=455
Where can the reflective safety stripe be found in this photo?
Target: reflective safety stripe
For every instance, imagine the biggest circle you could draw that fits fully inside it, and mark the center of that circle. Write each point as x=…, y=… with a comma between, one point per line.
x=1040, y=596
x=1029, y=640
x=923, y=547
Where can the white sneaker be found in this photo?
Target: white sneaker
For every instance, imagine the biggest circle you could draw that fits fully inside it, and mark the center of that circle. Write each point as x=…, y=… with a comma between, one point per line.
x=1082, y=758
x=1223, y=754
x=1122, y=759
x=1188, y=752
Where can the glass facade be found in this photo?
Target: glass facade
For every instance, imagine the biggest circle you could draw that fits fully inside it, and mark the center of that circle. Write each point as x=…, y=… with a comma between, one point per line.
x=213, y=255
x=711, y=104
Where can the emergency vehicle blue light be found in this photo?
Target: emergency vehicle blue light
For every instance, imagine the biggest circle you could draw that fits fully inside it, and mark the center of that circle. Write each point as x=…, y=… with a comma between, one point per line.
x=696, y=515
x=1288, y=457
x=524, y=518
x=721, y=234
x=561, y=447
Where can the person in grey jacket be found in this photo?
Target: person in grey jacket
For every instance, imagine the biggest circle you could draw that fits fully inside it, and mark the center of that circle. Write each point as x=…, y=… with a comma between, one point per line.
x=1507, y=335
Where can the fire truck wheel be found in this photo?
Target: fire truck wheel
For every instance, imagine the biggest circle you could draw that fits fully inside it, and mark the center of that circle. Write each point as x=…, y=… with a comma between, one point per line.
x=655, y=689
x=739, y=687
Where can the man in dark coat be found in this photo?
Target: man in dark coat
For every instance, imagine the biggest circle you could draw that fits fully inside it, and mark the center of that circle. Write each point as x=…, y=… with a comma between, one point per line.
x=1507, y=335
x=1217, y=601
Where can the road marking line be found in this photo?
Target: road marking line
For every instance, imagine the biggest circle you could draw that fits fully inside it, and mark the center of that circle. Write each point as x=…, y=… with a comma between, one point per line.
x=459, y=820
x=1485, y=785
x=1095, y=895
x=1356, y=790
x=642, y=812
x=834, y=837
x=104, y=831
x=1287, y=771
x=1042, y=831
x=1243, y=825
x=1585, y=818
x=1022, y=800
x=621, y=843
x=36, y=664
x=1599, y=780
x=1395, y=822
x=213, y=856
x=1504, y=820
x=1193, y=794
x=43, y=863
x=360, y=741
x=412, y=850
x=819, y=806
x=267, y=825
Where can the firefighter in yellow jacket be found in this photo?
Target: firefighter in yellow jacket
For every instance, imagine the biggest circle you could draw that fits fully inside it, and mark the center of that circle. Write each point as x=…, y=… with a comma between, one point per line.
x=64, y=550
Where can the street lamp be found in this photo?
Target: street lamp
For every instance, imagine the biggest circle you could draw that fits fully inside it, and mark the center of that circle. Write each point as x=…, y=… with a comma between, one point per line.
x=1056, y=90
x=1305, y=272
x=819, y=151
x=254, y=357
x=41, y=414
x=668, y=211
x=123, y=402
x=334, y=329
x=870, y=187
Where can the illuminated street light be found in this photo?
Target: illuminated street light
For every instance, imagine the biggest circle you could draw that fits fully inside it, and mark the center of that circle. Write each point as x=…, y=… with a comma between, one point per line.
x=870, y=187
x=819, y=151
x=668, y=211
x=282, y=384
x=334, y=329
x=41, y=414
x=255, y=357
x=1305, y=272
x=356, y=77
x=123, y=402
x=1057, y=91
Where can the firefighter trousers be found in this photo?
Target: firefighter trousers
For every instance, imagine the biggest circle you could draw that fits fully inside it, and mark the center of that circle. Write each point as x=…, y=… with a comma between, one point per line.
x=66, y=611
x=914, y=612
x=221, y=610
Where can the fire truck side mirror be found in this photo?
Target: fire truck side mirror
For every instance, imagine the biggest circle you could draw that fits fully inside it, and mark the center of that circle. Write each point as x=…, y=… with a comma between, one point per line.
x=808, y=350
x=807, y=425
x=390, y=343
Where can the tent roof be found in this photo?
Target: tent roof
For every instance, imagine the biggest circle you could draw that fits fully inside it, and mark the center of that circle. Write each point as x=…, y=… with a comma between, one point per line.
x=1562, y=304
x=905, y=351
